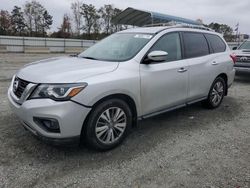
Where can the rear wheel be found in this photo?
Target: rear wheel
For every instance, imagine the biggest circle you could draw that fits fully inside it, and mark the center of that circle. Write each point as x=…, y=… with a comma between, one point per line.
x=216, y=93
x=108, y=124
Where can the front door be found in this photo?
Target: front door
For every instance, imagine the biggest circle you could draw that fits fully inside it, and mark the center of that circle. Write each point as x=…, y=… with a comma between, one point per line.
x=164, y=84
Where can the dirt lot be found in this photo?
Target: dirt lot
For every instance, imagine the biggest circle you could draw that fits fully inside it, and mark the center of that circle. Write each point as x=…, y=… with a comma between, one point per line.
x=190, y=147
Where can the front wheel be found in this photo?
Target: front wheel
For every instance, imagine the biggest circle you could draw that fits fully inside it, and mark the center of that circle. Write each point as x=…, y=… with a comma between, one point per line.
x=216, y=93
x=108, y=124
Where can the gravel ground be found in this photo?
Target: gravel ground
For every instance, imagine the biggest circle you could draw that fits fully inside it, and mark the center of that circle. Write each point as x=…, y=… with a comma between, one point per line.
x=190, y=147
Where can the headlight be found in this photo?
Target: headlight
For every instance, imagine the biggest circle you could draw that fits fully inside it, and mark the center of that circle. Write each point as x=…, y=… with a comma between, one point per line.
x=58, y=92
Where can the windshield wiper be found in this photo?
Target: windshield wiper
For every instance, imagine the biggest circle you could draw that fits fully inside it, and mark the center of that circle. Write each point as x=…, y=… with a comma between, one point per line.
x=86, y=57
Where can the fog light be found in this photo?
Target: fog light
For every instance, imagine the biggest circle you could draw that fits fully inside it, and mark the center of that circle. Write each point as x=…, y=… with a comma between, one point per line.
x=47, y=124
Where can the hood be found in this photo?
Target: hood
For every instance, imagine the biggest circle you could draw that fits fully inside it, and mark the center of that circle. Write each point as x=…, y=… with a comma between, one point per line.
x=242, y=52
x=64, y=70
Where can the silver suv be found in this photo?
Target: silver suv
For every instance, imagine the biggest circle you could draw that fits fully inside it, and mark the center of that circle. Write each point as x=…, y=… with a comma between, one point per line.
x=134, y=74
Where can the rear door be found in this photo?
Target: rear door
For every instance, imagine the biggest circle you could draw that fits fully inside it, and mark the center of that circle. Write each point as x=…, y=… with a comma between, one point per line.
x=200, y=73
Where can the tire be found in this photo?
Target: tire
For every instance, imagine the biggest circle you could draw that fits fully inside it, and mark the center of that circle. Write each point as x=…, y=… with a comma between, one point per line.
x=216, y=93
x=108, y=124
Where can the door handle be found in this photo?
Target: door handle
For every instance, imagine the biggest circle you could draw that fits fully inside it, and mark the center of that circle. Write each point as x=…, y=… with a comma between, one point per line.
x=214, y=63
x=182, y=69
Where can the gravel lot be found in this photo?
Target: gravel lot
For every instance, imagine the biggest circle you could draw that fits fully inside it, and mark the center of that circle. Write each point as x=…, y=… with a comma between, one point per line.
x=190, y=147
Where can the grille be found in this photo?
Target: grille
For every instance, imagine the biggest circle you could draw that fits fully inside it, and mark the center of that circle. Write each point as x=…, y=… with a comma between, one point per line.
x=243, y=59
x=19, y=86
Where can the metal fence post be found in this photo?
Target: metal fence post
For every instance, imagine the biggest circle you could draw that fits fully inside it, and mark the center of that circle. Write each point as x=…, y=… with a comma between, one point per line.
x=23, y=44
x=64, y=43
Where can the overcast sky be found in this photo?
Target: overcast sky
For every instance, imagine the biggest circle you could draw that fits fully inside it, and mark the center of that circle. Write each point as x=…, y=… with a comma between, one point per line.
x=222, y=11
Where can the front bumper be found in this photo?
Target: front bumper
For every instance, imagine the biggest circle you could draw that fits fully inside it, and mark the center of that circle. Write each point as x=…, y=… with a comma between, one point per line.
x=242, y=66
x=69, y=115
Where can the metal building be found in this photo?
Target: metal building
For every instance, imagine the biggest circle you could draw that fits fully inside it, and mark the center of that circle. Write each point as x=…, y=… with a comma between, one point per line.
x=135, y=17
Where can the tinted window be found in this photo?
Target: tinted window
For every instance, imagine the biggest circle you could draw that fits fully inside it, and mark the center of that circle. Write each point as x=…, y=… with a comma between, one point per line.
x=195, y=45
x=169, y=43
x=216, y=43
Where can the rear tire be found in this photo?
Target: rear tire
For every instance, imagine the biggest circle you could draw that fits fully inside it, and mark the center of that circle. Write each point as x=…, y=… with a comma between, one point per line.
x=216, y=94
x=108, y=124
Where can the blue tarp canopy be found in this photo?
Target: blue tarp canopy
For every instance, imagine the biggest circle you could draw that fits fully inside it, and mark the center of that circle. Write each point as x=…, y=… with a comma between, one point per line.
x=135, y=17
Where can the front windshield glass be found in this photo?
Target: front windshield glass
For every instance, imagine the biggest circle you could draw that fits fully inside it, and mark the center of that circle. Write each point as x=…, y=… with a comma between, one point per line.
x=245, y=45
x=117, y=47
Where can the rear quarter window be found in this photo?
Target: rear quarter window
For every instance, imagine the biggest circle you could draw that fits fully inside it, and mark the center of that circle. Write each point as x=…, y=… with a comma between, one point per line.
x=195, y=45
x=216, y=43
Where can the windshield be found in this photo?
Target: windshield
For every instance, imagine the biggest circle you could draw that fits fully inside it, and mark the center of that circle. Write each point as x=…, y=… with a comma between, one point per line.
x=117, y=47
x=245, y=45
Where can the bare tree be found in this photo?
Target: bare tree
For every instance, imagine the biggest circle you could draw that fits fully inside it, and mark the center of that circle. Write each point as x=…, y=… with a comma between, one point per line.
x=76, y=9
x=66, y=24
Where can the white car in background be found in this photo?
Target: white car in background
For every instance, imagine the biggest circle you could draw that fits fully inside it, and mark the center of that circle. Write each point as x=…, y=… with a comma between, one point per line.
x=242, y=54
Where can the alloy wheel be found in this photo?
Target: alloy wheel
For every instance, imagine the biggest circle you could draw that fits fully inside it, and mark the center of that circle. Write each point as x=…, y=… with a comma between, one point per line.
x=111, y=125
x=217, y=93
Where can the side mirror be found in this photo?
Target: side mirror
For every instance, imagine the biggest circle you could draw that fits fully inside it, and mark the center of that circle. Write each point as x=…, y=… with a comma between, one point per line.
x=234, y=48
x=157, y=56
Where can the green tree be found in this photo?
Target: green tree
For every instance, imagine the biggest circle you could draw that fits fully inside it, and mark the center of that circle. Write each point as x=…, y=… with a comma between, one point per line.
x=224, y=29
x=37, y=18
x=221, y=28
x=91, y=18
x=106, y=14
x=17, y=21
x=46, y=22
x=117, y=27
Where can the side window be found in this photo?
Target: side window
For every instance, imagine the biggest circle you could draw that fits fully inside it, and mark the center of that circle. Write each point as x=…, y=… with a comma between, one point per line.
x=195, y=45
x=169, y=43
x=216, y=43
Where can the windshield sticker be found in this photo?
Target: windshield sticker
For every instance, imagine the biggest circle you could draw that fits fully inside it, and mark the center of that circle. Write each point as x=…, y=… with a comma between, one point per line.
x=143, y=36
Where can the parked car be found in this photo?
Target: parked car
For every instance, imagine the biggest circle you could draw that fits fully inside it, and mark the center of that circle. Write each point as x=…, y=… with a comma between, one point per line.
x=131, y=75
x=242, y=54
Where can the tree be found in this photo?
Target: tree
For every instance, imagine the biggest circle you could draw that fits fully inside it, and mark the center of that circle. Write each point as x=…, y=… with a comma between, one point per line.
x=117, y=27
x=5, y=22
x=90, y=16
x=76, y=8
x=37, y=17
x=46, y=22
x=221, y=28
x=106, y=13
x=224, y=29
x=66, y=25
x=17, y=20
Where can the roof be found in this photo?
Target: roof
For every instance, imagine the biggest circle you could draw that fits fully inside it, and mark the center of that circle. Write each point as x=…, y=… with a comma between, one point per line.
x=135, y=17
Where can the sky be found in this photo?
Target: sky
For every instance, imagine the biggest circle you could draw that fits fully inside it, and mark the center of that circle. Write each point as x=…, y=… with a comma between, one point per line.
x=228, y=12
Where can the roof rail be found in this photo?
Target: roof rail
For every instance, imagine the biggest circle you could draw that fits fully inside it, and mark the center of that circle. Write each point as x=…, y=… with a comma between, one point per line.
x=160, y=24
x=180, y=25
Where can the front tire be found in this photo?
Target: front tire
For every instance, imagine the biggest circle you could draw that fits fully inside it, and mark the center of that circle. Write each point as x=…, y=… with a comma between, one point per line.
x=108, y=124
x=216, y=93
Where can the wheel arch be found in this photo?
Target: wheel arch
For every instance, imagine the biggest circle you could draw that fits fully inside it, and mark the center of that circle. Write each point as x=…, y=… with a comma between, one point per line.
x=126, y=98
x=225, y=78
